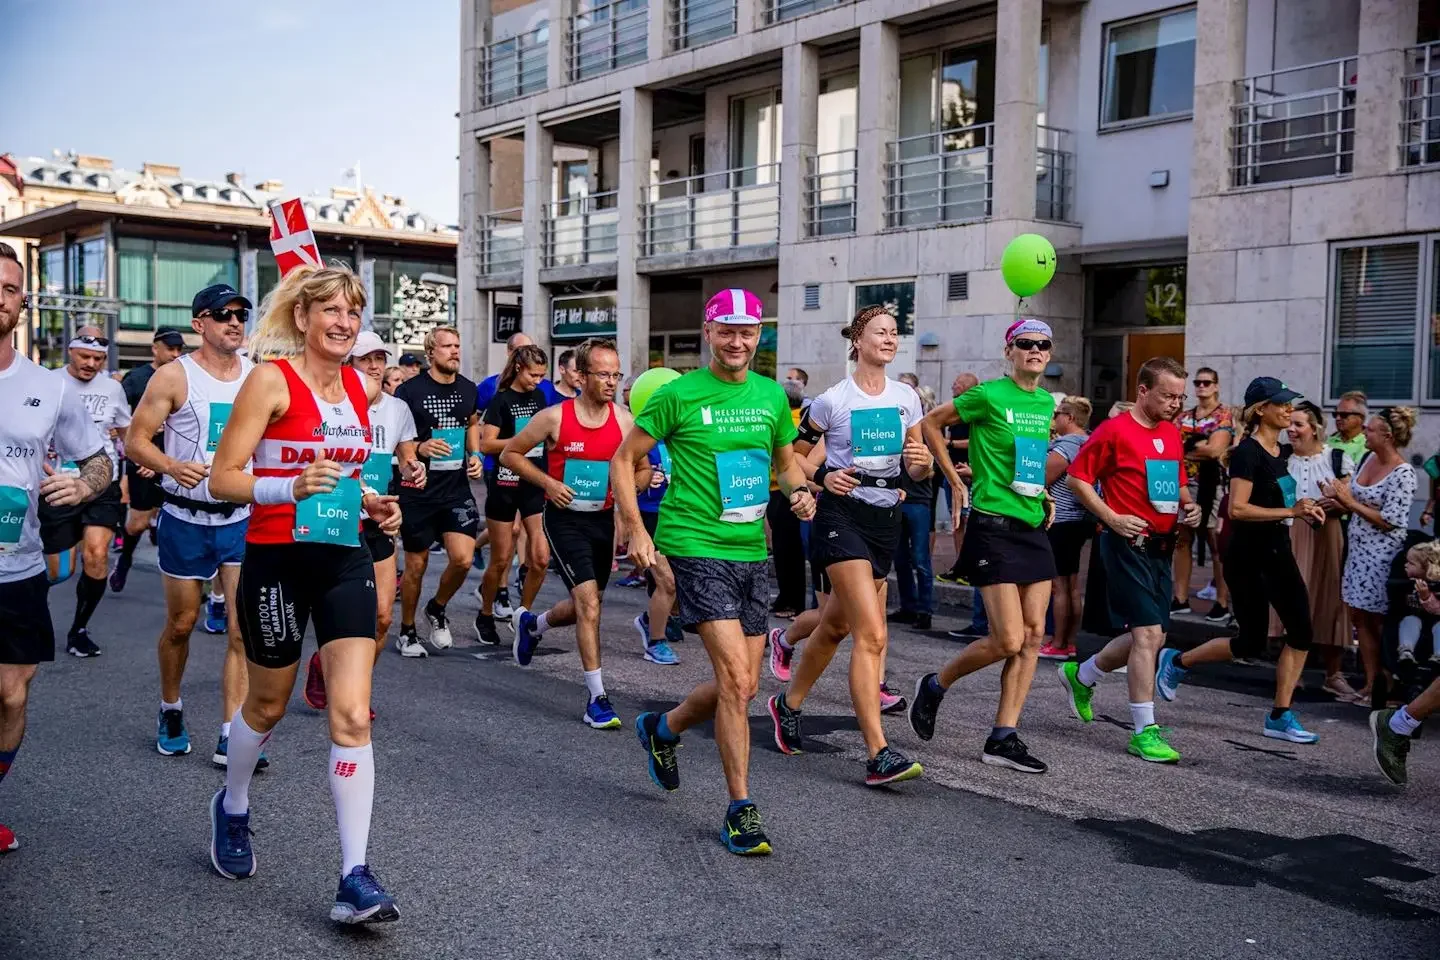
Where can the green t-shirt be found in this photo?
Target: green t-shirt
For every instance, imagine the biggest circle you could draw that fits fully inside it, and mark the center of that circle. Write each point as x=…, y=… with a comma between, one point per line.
x=717, y=432
x=1009, y=440
x=1355, y=446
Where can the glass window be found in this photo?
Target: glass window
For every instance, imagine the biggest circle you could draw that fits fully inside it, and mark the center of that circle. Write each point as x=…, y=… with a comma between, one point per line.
x=1143, y=296
x=898, y=298
x=836, y=112
x=1374, y=304
x=755, y=137
x=136, y=291
x=1149, y=68
x=159, y=279
x=967, y=88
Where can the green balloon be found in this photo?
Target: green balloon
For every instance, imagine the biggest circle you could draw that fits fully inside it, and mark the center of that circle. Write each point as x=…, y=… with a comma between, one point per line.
x=645, y=386
x=1027, y=264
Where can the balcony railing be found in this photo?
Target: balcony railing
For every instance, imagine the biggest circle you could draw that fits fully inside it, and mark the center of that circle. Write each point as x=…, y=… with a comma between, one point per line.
x=502, y=240
x=1054, y=174
x=691, y=23
x=777, y=10
x=830, y=193
x=1420, y=107
x=943, y=177
x=1294, y=124
x=581, y=230
x=714, y=211
x=607, y=37
x=512, y=68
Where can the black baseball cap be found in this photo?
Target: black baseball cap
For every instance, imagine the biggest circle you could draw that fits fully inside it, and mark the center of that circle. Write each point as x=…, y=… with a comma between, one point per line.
x=216, y=296
x=1268, y=390
x=169, y=336
x=410, y=360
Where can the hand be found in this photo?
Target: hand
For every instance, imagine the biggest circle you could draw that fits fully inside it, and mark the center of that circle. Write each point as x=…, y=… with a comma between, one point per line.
x=432, y=448
x=916, y=454
x=474, y=466
x=657, y=477
x=559, y=494
x=1329, y=505
x=642, y=548
x=1127, y=526
x=960, y=494
x=1049, y=512
x=1190, y=514
x=413, y=474
x=145, y=472
x=187, y=473
x=63, y=490
x=802, y=504
x=841, y=482
x=320, y=477
x=1307, y=509
x=385, y=511
x=964, y=470
x=1339, y=491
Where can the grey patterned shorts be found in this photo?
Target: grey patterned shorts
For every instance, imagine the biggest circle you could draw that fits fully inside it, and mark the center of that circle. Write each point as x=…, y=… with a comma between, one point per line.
x=711, y=589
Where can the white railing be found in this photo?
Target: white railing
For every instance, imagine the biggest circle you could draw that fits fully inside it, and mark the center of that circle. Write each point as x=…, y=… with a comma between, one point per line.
x=940, y=177
x=1294, y=124
x=691, y=23
x=502, y=240
x=830, y=193
x=581, y=230
x=512, y=68
x=607, y=37
x=1054, y=174
x=777, y=10
x=1420, y=106
x=713, y=211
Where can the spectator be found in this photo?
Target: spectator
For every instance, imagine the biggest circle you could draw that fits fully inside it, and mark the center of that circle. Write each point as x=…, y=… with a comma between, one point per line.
x=913, y=571
x=959, y=443
x=392, y=378
x=785, y=540
x=1207, y=431
x=799, y=376
x=911, y=380
x=1071, y=529
x=1349, y=432
x=409, y=365
x=1414, y=615
x=570, y=377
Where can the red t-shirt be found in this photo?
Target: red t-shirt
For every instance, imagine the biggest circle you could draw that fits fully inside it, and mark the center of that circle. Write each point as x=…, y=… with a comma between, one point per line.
x=1141, y=470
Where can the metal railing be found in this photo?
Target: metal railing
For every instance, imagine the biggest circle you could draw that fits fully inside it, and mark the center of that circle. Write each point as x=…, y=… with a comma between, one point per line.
x=713, y=211
x=502, y=240
x=1294, y=124
x=1420, y=106
x=691, y=23
x=777, y=10
x=942, y=177
x=607, y=37
x=830, y=193
x=1054, y=174
x=581, y=230
x=512, y=68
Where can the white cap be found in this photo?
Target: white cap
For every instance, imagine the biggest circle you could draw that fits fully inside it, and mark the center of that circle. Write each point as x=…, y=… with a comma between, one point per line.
x=369, y=342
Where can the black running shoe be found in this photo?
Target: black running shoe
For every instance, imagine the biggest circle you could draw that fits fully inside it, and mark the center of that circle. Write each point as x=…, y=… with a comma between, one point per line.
x=921, y=621
x=485, y=630
x=1218, y=613
x=924, y=706
x=743, y=832
x=787, y=725
x=890, y=766
x=901, y=616
x=79, y=644
x=1011, y=752
x=663, y=768
x=121, y=572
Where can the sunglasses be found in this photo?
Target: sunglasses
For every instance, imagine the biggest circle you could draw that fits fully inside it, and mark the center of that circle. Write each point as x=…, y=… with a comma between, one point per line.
x=1347, y=413
x=1203, y=383
x=1022, y=343
x=89, y=341
x=241, y=314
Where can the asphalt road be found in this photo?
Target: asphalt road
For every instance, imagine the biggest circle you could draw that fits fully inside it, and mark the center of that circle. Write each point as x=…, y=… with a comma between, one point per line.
x=506, y=828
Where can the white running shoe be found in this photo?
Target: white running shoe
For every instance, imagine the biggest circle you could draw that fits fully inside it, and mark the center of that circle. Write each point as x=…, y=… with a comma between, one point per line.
x=440, y=637
x=1207, y=592
x=410, y=646
x=501, y=608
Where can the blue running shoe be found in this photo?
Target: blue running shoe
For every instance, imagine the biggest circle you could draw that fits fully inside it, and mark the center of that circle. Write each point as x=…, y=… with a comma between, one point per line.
x=171, y=737
x=1288, y=727
x=361, y=899
x=660, y=652
x=230, y=840
x=526, y=640
x=221, y=756
x=663, y=768
x=743, y=832
x=600, y=715
x=215, y=621
x=1169, y=674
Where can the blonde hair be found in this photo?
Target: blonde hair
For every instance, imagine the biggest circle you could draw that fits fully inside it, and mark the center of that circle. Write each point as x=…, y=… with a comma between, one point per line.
x=430, y=337
x=277, y=335
x=1121, y=406
x=1079, y=408
x=927, y=399
x=1427, y=555
x=1401, y=421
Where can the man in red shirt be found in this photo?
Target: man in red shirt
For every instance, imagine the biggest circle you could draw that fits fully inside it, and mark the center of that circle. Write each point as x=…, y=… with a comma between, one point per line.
x=1138, y=459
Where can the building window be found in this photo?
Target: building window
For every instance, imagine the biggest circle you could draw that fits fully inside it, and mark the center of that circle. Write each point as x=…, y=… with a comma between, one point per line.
x=1149, y=68
x=159, y=279
x=1376, y=293
x=896, y=296
x=755, y=138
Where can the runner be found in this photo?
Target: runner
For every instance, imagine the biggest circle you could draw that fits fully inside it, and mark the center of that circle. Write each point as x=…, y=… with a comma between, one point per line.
x=871, y=426
x=40, y=413
x=305, y=422
x=92, y=524
x=1137, y=458
x=199, y=534
x=722, y=425
x=1392, y=730
x=506, y=493
x=1072, y=528
x=1207, y=430
x=1005, y=554
x=957, y=447
x=656, y=626
x=141, y=484
x=581, y=437
x=571, y=380
x=390, y=424
x=443, y=511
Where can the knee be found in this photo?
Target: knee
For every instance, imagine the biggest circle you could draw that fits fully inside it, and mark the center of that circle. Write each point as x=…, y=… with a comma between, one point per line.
x=463, y=555
x=1301, y=637
x=539, y=554
x=869, y=640
x=1248, y=644
x=1009, y=640
x=180, y=625
x=350, y=724
x=738, y=687
x=266, y=710
x=95, y=559
x=587, y=607
x=14, y=694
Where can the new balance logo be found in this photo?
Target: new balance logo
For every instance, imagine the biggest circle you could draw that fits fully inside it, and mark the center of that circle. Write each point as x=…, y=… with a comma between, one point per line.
x=344, y=768
x=32, y=401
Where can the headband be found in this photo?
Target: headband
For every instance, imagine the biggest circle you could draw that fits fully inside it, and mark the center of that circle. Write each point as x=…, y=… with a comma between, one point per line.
x=1028, y=325
x=90, y=343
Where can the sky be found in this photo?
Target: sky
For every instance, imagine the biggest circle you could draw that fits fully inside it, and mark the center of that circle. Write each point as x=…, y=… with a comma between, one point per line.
x=298, y=91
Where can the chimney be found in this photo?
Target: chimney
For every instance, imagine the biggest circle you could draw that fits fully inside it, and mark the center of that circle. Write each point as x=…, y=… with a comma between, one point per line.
x=270, y=186
x=91, y=162
x=235, y=179
x=160, y=169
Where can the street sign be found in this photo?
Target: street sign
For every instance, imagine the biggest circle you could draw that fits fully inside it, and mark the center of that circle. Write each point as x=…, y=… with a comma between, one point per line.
x=506, y=322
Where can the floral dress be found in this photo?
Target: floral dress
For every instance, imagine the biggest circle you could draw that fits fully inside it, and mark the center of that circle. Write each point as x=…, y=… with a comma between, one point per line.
x=1367, y=567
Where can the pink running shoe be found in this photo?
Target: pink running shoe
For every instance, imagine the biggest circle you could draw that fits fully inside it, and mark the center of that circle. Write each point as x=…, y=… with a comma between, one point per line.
x=1051, y=652
x=780, y=656
x=891, y=702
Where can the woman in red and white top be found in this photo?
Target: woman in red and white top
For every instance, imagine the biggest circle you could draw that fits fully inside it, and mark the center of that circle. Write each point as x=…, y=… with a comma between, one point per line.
x=304, y=419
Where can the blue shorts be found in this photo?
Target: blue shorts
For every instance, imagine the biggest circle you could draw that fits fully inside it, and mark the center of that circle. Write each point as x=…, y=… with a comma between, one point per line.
x=190, y=551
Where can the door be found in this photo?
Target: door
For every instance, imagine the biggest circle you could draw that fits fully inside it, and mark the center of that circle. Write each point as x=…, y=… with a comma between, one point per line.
x=1140, y=347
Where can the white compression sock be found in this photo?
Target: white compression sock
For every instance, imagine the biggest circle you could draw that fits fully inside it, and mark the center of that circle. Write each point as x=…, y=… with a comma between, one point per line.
x=1142, y=715
x=241, y=757
x=352, y=786
x=225, y=729
x=1089, y=673
x=594, y=684
x=542, y=623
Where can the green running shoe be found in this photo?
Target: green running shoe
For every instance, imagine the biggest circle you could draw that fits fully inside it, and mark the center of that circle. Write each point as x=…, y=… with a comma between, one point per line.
x=1076, y=692
x=1391, y=749
x=1149, y=745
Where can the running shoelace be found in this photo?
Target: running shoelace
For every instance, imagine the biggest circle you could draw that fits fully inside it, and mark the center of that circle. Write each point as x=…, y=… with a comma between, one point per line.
x=602, y=703
x=236, y=830
x=365, y=882
x=174, y=725
x=790, y=723
x=887, y=760
x=750, y=821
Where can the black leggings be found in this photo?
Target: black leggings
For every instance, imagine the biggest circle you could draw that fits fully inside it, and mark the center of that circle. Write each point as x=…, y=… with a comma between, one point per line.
x=1262, y=573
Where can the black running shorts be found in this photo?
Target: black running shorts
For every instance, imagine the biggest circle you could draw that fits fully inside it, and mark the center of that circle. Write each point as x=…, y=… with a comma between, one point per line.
x=709, y=589
x=284, y=586
x=848, y=529
x=1067, y=540
x=999, y=549
x=582, y=544
x=63, y=527
x=423, y=524
x=381, y=545
x=503, y=502
x=26, y=634
x=145, y=492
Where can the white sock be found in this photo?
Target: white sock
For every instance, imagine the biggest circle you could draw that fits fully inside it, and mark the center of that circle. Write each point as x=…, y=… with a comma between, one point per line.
x=352, y=786
x=542, y=623
x=782, y=638
x=1089, y=673
x=1142, y=715
x=177, y=705
x=225, y=729
x=242, y=755
x=1402, y=723
x=594, y=684
x=217, y=598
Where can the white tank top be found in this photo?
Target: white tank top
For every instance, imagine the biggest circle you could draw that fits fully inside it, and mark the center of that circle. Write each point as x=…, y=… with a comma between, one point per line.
x=192, y=433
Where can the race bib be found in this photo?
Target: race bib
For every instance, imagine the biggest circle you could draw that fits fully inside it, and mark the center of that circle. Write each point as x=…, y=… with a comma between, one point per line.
x=744, y=479
x=1029, y=478
x=332, y=517
x=14, y=503
x=664, y=460
x=876, y=438
x=376, y=471
x=219, y=416
x=1162, y=481
x=536, y=451
x=1287, y=489
x=455, y=459
x=69, y=468
x=590, y=479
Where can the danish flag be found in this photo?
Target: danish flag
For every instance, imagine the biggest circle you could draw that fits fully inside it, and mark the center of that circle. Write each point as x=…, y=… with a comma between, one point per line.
x=291, y=239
